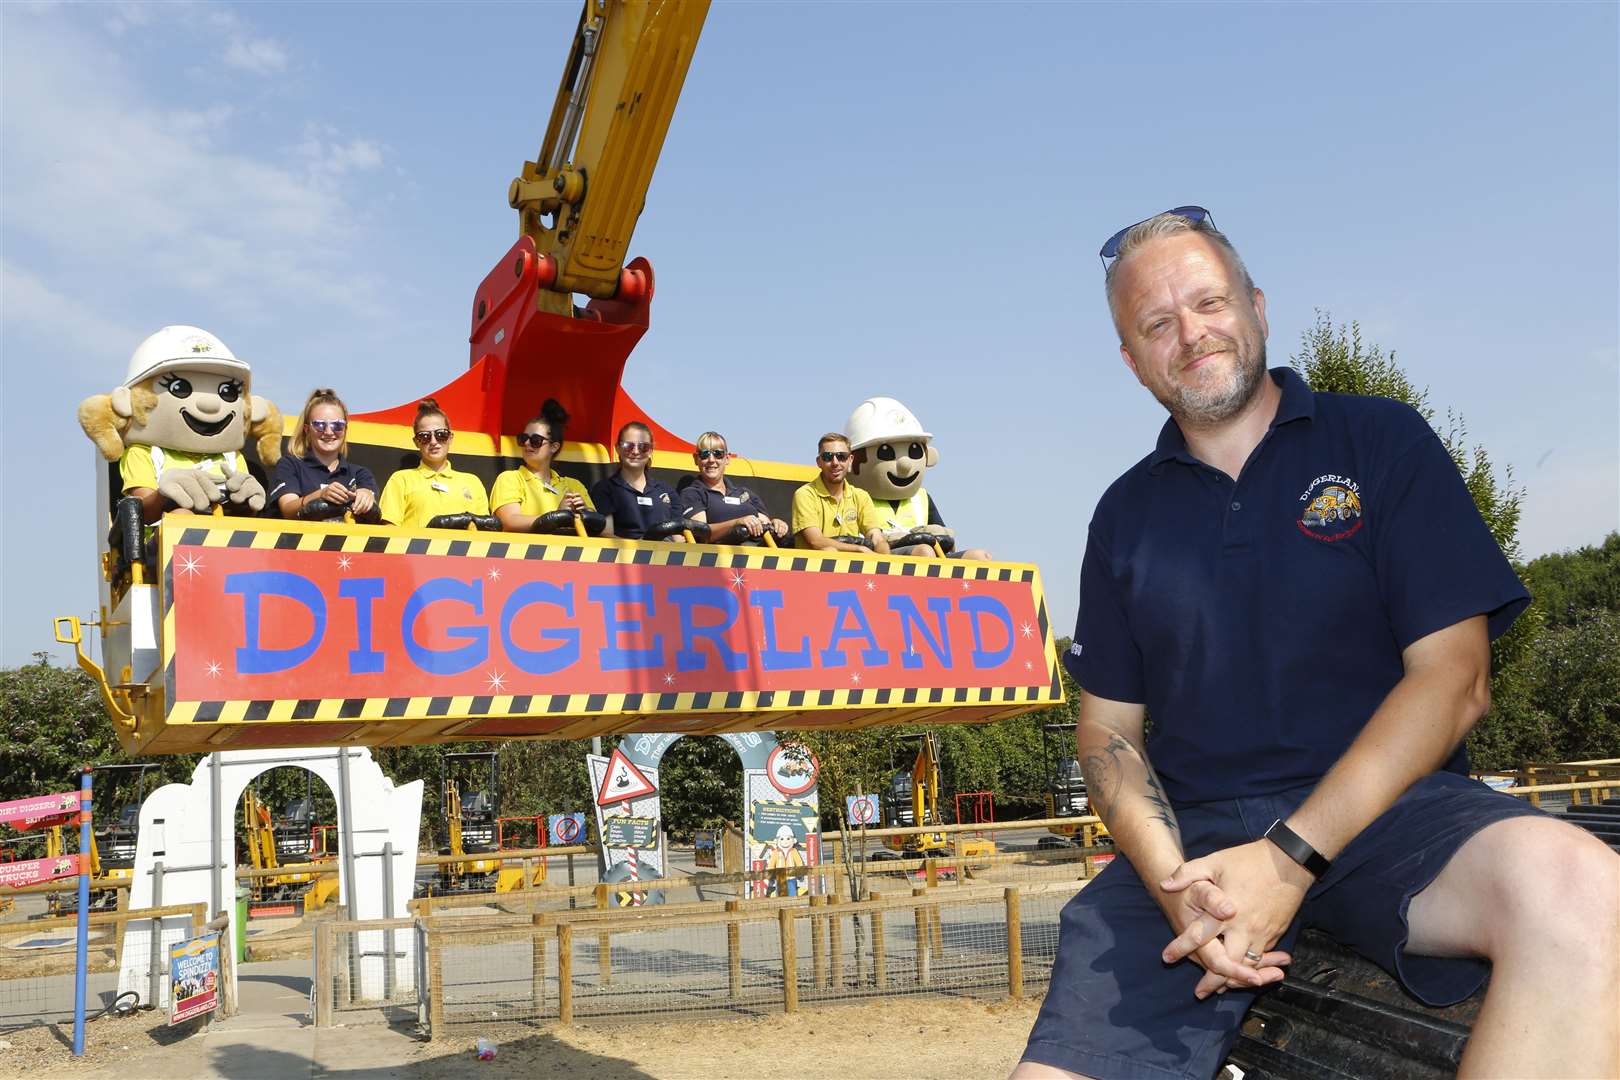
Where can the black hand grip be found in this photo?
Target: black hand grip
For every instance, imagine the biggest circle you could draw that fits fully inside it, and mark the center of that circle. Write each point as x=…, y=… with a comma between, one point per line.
x=663, y=530
x=450, y=521
x=594, y=522
x=947, y=544
x=319, y=510
x=556, y=521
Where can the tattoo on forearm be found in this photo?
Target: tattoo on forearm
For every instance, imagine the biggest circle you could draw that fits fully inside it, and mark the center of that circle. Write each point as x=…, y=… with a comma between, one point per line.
x=1104, y=774
x=1163, y=811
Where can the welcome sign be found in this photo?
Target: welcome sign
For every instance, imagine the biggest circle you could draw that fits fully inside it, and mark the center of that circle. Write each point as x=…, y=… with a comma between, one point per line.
x=275, y=622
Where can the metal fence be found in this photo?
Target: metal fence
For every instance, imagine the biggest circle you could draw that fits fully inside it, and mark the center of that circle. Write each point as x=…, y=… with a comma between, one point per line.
x=37, y=973
x=366, y=972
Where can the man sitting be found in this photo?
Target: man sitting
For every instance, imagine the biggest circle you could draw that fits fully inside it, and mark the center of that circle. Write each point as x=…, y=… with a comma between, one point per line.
x=831, y=515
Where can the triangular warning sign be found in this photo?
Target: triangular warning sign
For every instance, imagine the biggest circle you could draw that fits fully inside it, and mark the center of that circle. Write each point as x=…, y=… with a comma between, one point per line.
x=623, y=781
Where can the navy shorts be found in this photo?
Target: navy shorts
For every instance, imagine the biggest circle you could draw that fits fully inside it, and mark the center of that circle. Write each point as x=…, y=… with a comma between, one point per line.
x=1115, y=1010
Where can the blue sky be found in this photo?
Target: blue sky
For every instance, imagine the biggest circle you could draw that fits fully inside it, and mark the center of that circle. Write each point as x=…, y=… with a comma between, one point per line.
x=854, y=199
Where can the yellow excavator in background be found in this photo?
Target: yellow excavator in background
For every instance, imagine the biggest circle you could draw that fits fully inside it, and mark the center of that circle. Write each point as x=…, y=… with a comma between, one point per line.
x=470, y=830
x=913, y=799
x=295, y=888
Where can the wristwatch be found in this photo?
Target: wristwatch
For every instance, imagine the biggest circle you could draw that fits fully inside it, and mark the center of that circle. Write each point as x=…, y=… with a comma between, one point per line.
x=1295, y=847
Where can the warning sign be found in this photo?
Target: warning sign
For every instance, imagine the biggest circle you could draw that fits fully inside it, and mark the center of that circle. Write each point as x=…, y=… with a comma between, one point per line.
x=863, y=809
x=566, y=829
x=623, y=781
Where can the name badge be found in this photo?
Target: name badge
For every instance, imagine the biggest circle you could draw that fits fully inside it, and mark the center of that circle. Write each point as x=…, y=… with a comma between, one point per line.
x=733, y=500
x=643, y=500
x=548, y=487
x=437, y=486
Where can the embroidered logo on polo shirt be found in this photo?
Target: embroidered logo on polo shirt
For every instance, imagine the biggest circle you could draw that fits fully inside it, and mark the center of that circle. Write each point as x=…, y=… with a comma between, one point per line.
x=1331, y=508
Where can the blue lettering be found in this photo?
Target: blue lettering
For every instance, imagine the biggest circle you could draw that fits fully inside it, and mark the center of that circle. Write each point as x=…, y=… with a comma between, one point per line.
x=770, y=657
x=911, y=618
x=446, y=661
x=987, y=605
x=255, y=584
x=848, y=606
x=363, y=660
x=541, y=661
x=687, y=658
x=613, y=657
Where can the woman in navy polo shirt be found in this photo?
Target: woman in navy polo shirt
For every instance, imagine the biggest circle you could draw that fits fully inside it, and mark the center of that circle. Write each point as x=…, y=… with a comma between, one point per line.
x=632, y=500
x=714, y=499
x=318, y=467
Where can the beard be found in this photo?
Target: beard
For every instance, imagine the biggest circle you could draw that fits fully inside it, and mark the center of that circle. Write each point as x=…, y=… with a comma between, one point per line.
x=1213, y=403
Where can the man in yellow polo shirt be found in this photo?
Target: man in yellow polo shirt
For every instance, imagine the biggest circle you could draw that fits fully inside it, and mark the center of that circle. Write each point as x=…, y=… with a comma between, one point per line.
x=828, y=508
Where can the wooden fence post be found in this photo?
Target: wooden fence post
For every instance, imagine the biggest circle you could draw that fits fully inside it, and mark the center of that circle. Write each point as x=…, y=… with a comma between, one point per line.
x=790, y=961
x=818, y=945
x=1015, y=945
x=734, y=951
x=435, y=945
x=835, y=943
x=565, y=974
x=537, y=984
x=325, y=943
x=604, y=943
x=924, y=931
x=880, y=959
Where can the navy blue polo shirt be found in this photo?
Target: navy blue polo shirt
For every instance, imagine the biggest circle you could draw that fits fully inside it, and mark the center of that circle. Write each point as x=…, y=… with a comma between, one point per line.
x=302, y=475
x=735, y=502
x=634, y=511
x=1261, y=621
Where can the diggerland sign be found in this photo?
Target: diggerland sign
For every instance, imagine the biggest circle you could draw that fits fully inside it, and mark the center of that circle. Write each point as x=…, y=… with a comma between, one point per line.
x=397, y=618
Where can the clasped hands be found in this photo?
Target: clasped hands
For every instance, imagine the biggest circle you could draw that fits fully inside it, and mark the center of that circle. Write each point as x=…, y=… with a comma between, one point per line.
x=1228, y=907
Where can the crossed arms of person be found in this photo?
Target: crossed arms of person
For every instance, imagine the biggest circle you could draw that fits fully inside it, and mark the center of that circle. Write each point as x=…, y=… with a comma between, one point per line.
x=1242, y=899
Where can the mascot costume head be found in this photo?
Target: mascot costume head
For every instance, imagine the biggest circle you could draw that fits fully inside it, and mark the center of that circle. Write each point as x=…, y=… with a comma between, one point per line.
x=892, y=454
x=180, y=420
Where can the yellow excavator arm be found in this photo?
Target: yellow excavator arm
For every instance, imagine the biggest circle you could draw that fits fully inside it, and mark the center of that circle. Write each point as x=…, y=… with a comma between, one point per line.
x=580, y=200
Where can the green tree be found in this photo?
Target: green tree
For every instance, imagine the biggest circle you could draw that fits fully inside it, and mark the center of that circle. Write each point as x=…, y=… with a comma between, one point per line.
x=1570, y=585
x=1336, y=359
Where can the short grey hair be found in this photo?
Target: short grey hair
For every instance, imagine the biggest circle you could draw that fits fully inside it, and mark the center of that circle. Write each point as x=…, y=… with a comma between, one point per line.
x=1168, y=224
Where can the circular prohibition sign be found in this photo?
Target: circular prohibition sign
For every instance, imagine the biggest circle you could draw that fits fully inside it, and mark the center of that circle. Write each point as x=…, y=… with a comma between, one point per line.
x=568, y=829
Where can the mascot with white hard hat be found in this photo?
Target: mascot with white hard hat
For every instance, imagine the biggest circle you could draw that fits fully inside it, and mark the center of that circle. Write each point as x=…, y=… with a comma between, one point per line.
x=179, y=422
x=892, y=453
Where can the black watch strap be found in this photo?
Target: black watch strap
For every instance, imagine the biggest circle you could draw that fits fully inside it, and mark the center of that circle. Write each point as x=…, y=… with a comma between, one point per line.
x=1295, y=847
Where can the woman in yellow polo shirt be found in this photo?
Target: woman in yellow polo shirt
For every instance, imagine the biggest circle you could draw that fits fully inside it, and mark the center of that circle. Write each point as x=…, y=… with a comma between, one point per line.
x=413, y=497
x=523, y=494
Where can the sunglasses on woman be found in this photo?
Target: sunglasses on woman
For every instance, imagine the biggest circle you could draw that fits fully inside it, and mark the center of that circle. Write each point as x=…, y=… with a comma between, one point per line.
x=330, y=427
x=441, y=435
x=635, y=448
x=533, y=440
x=718, y=455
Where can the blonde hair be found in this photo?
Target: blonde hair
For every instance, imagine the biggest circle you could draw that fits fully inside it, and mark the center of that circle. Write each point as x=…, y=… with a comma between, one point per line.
x=323, y=396
x=711, y=437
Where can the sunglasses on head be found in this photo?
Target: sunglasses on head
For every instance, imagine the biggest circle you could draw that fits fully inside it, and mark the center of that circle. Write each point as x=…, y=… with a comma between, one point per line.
x=628, y=447
x=441, y=435
x=330, y=427
x=718, y=455
x=533, y=439
x=1194, y=214
x=834, y=455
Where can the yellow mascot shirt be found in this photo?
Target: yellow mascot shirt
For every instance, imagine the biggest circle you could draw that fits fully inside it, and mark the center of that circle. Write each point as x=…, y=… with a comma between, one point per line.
x=413, y=497
x=141, y=465
x=533, y=495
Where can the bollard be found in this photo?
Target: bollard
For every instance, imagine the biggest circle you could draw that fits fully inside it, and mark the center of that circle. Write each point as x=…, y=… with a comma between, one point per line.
x=1015, y=945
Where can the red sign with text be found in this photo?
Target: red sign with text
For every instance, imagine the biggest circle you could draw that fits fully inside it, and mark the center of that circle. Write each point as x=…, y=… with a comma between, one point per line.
x=33, y=871
x=257, y=624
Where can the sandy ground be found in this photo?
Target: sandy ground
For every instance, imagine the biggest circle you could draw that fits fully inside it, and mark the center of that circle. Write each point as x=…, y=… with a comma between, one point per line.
x=924, y=1038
